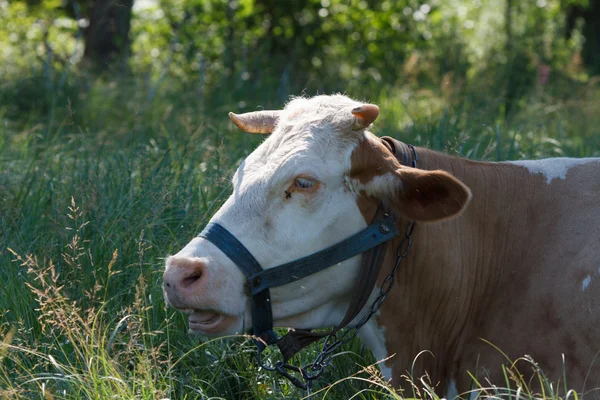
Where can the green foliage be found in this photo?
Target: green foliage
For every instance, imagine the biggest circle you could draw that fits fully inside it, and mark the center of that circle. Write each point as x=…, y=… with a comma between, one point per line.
x=221, y=47
x=31, y=36
x=228, y=43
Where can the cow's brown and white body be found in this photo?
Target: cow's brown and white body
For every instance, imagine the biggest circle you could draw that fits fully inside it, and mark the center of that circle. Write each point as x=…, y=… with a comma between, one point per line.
x=520, y=268
x=516, y=268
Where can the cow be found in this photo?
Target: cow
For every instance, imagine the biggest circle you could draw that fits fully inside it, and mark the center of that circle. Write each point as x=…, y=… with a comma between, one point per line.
x=504, y=261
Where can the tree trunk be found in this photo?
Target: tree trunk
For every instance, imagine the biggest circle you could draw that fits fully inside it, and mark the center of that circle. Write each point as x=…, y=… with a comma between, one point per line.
x=229, y=40
x=508, y=26
x=591, y=31
x=510, y=83
x=107, y=36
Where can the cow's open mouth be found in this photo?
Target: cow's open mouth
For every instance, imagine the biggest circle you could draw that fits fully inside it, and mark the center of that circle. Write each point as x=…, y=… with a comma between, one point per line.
x=209, y=322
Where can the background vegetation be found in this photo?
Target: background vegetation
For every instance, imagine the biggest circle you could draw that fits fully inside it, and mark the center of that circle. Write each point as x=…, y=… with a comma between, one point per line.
x=115, y=149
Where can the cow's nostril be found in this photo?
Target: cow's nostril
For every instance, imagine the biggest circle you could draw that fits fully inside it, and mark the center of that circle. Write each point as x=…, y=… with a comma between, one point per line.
x=190, y=280
x=184, y=273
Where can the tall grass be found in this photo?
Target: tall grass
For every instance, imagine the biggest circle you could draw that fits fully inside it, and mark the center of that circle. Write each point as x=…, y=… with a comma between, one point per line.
x=100, y=181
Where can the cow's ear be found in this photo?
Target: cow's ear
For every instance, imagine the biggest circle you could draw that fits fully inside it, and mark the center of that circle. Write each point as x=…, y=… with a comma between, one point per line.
x=430, y=195
x=420, y=195
x=416, y=194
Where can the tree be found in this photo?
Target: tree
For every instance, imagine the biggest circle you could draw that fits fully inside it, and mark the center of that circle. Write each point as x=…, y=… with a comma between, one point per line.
x=107, y=36
x=589, y=12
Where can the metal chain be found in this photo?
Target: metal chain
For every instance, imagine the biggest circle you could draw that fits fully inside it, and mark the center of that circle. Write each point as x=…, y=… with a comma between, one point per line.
x=314, y=370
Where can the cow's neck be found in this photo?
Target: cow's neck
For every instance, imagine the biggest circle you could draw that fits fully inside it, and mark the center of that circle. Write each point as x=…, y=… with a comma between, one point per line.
x=444, y=285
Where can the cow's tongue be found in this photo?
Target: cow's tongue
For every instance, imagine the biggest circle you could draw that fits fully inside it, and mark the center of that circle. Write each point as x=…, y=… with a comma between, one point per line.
x=204, y=317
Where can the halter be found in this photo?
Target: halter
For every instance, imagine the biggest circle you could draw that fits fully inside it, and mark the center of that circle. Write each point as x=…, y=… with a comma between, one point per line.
x=371, y=241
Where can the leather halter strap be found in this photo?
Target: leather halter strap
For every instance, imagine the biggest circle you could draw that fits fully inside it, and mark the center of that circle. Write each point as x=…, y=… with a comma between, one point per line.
x=261, y=280
x=404, y=153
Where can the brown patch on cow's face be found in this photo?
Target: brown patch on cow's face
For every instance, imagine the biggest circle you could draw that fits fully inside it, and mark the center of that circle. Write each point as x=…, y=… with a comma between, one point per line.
x=368, y=160
x=366, y=163
x=371, y=158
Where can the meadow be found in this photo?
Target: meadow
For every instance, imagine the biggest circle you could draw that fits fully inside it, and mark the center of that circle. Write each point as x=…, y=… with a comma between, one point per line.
x=102, y=179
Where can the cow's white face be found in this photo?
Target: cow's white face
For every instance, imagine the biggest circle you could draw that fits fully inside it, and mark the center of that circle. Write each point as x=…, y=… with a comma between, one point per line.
x=291, y=197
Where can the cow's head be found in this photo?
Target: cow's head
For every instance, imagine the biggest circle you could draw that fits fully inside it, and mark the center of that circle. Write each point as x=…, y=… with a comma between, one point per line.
x=298, y=193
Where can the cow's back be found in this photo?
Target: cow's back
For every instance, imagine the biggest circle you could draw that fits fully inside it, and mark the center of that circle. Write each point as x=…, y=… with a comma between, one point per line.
x=548, y=304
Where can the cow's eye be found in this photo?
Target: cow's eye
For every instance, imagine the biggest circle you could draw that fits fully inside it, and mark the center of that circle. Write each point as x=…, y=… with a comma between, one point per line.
x=305, y=183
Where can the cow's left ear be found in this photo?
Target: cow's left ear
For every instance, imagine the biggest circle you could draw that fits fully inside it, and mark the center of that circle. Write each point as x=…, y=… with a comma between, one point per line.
x=428, y=195
x=419, y=195
x=416, y=194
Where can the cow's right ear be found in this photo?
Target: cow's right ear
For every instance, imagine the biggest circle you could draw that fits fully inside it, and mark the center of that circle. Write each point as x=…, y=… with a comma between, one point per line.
x=418, y=195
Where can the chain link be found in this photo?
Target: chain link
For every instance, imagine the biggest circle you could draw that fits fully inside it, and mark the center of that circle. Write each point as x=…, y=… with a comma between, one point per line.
x=311, y=371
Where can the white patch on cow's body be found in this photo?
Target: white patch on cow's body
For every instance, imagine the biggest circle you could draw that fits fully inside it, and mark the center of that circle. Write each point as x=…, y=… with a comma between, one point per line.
x=553, y=168
x=451, y=391
x=585, y=283
x=373, y=336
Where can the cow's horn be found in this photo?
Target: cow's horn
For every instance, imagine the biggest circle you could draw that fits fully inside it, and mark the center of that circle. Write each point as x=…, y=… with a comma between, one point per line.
x=256, y=121
x=365, y=115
